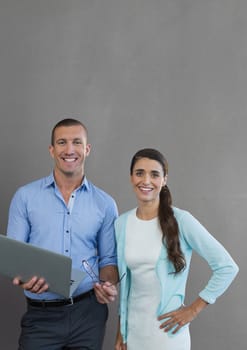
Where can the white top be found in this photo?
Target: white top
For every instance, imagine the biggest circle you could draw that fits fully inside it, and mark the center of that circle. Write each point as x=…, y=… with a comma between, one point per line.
x=143, y=244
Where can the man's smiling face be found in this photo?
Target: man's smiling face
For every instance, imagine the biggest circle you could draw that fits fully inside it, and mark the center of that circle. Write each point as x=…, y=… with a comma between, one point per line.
x=69, y=150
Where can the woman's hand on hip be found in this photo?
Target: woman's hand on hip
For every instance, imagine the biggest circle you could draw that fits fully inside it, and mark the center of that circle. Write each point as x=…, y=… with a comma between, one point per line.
x=184, y=315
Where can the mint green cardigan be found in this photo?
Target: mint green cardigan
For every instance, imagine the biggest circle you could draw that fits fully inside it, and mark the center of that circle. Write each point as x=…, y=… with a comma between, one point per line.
x=193, y=237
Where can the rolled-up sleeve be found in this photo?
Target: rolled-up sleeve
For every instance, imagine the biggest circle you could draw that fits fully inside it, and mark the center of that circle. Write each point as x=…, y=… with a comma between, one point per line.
x=106, y=237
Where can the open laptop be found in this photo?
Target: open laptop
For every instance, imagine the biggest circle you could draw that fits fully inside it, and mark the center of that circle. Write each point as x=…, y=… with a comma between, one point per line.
x=25, y=261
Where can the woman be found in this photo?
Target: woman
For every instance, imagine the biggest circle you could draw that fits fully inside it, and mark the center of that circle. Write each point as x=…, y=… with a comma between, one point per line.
x=155, y=243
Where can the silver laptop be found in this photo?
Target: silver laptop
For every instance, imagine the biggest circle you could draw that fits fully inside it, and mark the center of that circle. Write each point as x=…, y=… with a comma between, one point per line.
x=25, y=261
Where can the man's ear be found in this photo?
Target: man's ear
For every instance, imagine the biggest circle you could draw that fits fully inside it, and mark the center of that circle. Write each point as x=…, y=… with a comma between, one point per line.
x=88, y=149
x=51, y=151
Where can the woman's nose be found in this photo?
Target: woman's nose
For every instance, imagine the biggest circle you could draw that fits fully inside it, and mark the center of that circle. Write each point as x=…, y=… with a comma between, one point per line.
x=146, y=179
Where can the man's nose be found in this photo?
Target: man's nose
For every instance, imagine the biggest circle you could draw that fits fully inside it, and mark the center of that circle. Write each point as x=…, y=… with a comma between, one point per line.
x=69, y=148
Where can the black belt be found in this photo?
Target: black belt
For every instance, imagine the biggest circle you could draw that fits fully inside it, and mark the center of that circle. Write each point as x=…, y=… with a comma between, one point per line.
x=58, y=302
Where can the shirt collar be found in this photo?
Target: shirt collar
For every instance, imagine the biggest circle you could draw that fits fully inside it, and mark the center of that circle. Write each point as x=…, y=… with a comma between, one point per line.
x=50, y=181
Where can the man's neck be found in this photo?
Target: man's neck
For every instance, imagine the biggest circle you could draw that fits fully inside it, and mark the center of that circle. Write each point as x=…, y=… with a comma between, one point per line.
x=67, y=184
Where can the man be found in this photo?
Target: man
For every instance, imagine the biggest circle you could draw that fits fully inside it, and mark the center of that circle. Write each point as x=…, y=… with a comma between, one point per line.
x=67, y=214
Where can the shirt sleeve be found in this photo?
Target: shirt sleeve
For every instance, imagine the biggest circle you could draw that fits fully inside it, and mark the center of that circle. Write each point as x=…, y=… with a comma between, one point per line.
x=106, y=237
x=223, y=267
x=18, y=224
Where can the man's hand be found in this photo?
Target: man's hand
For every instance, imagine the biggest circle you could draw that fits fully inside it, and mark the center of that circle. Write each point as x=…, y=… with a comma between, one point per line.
x=105, y=292
x=34, y=285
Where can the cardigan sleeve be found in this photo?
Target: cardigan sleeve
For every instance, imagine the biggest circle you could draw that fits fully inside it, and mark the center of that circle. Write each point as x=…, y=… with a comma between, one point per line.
x=223, y=267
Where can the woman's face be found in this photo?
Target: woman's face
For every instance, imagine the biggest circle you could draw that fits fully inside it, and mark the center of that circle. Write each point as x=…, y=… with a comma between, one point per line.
x=147, y=180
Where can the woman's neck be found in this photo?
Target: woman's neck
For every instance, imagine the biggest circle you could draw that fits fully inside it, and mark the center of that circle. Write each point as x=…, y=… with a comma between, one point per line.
x=147, y=212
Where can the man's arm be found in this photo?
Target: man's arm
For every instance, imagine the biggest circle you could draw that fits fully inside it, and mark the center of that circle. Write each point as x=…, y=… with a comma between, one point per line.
x=106, y=292
x=109, y=273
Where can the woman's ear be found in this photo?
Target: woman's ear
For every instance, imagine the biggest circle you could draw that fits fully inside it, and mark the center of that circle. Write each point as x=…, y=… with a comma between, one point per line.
x=165, y=180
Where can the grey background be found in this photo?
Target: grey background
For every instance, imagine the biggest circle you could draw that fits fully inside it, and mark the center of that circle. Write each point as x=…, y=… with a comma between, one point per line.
x=169, y=74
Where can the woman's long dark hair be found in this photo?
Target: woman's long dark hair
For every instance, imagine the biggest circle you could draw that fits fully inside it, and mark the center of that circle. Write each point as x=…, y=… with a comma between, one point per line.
x=167, y=220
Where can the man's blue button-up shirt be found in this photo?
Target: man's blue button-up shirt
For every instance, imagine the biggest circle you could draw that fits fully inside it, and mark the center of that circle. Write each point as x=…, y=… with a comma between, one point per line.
x=82, y=229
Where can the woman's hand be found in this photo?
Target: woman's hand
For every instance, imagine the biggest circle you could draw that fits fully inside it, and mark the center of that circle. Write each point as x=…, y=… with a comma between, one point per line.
x=119, y=345
x=179, y=318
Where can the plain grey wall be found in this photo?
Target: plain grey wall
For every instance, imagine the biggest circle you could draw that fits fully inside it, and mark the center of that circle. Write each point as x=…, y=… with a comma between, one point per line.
x=169, y=74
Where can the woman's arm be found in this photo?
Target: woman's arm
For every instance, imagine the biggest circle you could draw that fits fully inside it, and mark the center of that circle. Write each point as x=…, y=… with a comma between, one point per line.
x=223, y=267
x=119, y=345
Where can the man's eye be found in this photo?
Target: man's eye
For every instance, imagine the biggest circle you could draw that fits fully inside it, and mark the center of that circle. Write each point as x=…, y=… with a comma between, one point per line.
x=60, y=142
x=77, y=142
